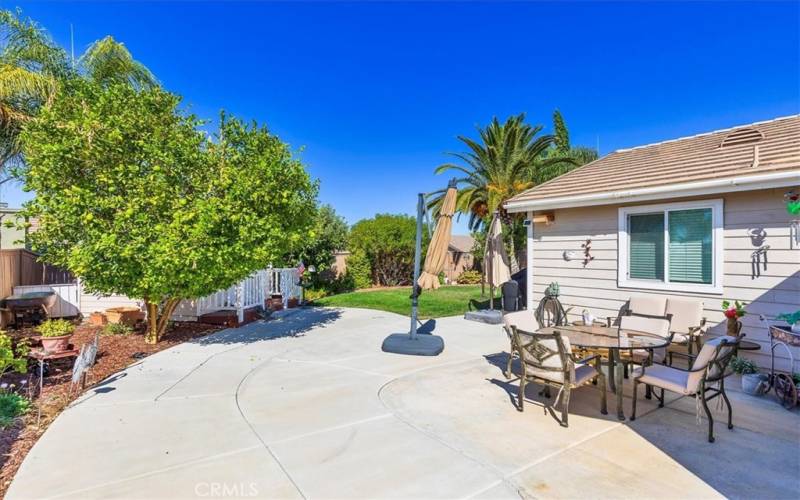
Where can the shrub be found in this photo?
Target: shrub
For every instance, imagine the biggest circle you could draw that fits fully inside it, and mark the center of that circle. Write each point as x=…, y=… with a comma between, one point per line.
x=56, y=328
x=359, y=272
x=12, y=357
x=12, y=405
x=469, y=278
x=117, y=329
x=743, y=366
x=387, y=241
x=311, y=295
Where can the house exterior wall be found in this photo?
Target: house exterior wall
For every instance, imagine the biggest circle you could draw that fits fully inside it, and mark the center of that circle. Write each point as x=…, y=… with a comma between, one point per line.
x=595, y=287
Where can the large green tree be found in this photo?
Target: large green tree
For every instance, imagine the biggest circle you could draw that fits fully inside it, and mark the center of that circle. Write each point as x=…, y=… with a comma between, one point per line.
x=506, y=159
x=134, y=199
x=497, y=166
x=388, y=243
x=329, y=235
x=33, y=68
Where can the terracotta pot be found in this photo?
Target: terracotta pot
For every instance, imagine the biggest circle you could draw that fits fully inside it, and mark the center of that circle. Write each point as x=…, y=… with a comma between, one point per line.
x=97, y=319
x=126, y=315
x=56, y=344
x=293, y=303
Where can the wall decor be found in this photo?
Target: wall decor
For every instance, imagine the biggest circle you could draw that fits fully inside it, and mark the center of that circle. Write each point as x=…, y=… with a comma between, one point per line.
x=569, y=255
x=792, y=201
x=758, y=260
x=757, y=236
x=794, y=234
x=587, y=248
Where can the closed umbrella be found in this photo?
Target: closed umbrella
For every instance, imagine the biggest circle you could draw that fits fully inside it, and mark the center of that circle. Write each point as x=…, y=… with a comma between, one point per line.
x=440, y=243
x=496, y=259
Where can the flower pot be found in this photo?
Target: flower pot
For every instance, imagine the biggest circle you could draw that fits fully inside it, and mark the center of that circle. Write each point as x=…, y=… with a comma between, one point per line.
x=56, y=344
x=126, y=315
x=733, y=327
x=293, y=302
x=754, y=384
x=275, y=303
x=97, y=319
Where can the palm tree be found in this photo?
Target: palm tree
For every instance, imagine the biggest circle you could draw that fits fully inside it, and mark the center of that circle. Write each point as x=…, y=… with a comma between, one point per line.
x=501, y=164
x=30, y=66
x=33, y=67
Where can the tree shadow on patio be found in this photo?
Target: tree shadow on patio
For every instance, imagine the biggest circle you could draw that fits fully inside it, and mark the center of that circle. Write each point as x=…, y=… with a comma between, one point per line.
x=294, y=323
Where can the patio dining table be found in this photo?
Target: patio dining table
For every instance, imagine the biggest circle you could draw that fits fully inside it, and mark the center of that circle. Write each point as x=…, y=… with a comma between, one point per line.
x=614, y=340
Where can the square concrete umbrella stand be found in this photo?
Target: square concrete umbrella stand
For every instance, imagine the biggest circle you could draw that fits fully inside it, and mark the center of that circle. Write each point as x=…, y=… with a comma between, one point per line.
x=489, y=316
x=420, y=345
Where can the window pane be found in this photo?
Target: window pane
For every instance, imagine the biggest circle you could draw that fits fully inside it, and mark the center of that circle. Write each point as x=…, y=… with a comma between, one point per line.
x=646, y=253
x=690, y=247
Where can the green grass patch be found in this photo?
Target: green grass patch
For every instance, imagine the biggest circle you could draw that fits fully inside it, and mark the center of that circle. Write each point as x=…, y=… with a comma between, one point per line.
x=445, y=301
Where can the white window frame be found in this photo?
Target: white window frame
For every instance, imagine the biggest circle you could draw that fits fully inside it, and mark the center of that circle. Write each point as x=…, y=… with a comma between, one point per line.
x=717, y=250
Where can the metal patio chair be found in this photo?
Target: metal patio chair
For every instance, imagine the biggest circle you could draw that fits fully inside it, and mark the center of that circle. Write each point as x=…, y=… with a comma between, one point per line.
x=548, y=360
x=705, y=380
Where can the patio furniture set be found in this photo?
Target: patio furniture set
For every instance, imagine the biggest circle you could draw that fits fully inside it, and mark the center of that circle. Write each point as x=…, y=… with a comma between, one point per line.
x=642, y=341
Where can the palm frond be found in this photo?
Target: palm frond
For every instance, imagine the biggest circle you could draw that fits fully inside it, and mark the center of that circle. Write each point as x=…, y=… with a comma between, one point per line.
x=108, y=62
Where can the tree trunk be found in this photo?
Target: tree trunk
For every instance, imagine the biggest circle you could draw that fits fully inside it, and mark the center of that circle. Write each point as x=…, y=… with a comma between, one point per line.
x=512, y=254
x=157, y=320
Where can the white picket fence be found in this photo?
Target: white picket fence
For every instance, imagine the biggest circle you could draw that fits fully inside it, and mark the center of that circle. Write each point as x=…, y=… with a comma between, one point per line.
x=250, y=292
x=68, y=303
x=253, y=291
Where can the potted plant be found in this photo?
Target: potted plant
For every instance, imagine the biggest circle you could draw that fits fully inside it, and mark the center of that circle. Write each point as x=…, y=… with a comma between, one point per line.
x=793, y=319
x=753, y=383
x=56, y=334
x=733, y=312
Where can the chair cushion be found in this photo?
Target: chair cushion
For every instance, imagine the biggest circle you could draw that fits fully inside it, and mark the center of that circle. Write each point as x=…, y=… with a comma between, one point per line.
x=523, y=320
x=680, y=338
x=583, y=374
x=705, y=356
x=664, y=377
x=687, y=313
x=655, y=326
x=652, y=305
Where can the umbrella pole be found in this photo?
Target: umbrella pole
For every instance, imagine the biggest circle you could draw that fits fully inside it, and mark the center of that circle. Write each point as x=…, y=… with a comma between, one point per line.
x=491, y=265
x=417, y=258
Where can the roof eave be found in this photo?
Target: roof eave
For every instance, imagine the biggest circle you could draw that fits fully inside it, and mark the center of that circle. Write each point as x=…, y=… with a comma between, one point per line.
x=700, y=188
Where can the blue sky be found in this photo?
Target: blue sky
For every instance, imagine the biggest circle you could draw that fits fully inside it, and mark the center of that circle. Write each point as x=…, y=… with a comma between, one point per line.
x=376, y=93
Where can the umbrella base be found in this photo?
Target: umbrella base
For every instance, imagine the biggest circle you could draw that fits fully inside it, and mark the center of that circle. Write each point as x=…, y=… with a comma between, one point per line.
x=423, y=345
x=490, y=316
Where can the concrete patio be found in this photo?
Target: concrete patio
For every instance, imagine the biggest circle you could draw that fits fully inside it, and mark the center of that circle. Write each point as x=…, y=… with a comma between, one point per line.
x=308, y=406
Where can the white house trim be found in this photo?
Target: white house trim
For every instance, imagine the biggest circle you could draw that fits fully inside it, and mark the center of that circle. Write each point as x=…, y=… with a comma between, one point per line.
x=714, y=186
x=717, y=224
x=529, y=271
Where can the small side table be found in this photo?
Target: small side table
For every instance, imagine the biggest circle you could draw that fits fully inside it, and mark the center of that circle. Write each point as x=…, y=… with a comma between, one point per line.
x=749, y=345
x=41, y=356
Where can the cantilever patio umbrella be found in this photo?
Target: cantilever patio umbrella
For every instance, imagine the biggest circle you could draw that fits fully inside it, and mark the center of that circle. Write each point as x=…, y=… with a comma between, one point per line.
x=496, y=259
x=411, y=342
x=440, y=242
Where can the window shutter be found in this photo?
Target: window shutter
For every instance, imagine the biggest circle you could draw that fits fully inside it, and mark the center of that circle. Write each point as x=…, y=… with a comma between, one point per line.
x=690, y=246
x=646, y=252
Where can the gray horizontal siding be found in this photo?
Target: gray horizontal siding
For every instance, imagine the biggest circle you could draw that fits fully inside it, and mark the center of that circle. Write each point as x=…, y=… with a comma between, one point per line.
x=594, y=287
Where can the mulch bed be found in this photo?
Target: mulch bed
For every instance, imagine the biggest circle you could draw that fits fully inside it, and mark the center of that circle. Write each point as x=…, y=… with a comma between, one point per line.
x=114, y=354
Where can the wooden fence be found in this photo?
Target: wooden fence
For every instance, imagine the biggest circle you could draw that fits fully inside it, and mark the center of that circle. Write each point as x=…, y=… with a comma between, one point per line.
x=20, y=267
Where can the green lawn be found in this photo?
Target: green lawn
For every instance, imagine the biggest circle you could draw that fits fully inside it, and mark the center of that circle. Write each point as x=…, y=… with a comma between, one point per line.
x=446, y=301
